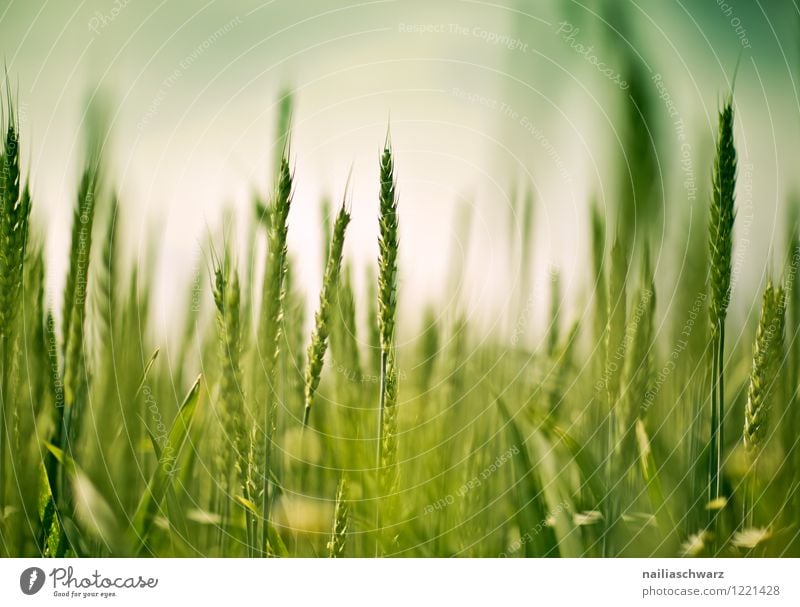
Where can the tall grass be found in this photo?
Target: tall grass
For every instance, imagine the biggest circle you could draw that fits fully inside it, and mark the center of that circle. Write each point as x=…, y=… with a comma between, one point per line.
x=233, y=444
x=322, y=320
x=387, y=308
x=573, y=441
x=615, y=352
x=15, y=205
x=767, y=357
x=720, y=242
x=270, y=330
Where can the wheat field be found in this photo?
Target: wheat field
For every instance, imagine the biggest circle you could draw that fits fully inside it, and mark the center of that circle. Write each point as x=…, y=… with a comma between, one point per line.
x=622, y=432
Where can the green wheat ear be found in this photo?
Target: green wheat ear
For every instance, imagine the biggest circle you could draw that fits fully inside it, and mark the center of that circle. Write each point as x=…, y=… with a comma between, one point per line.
x=764, y=386
x=722, y=215
x=15, y=210
x=387, y=277
x=75, y=296
x=720, y=244
x=341, y=520
x=227, y=298
x=388, y=246
x=387, y=308
x=767, y=355
x=14, y=225
x=322, y=320
x=269, y=339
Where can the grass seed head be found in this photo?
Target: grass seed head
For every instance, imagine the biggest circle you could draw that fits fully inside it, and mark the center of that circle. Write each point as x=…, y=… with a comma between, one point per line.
x=722, y=214
x=388, y=244
x=767, y=355
x=322, y=320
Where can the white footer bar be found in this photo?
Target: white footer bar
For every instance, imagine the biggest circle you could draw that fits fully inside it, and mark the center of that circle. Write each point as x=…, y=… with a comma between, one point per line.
x=401, y=582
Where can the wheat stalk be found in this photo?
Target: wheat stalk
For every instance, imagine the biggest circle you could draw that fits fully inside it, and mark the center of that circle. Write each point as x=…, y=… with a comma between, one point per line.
x=387, y=268
x=387, y=308
x=227, y=298
x=75, y=301
x=74, y=317
x=767, y=356
x=720, y=242
x=341, y=520
x=106, y=276
x=616, y=346
x=388, y=466
x=270, y=329
x=319, y=338
x=14, y=216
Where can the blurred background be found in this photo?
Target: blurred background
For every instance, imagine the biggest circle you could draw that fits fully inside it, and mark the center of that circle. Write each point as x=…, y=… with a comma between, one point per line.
x=491, y=104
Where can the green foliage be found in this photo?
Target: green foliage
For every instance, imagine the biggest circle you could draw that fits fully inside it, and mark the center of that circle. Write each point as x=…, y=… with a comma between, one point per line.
x=580, y=444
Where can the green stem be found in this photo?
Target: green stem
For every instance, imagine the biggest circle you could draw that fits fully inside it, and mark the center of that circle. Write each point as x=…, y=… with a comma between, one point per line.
x=4, y=551
x=721, y=407
x=608, y=543
x=750, y=494
x=378, y=468
x=713, y=450
x=223, y=507
x=248, y=532
x=261, y=549
x=716, y=441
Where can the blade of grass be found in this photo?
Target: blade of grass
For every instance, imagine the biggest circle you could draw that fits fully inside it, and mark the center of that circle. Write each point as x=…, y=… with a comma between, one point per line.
x=530, y=507
x=165, y=470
